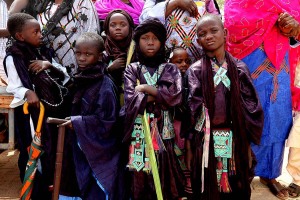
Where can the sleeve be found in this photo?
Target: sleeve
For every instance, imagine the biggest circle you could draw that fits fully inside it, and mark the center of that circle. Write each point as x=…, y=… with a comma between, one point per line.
x=135, y=102
x=211, y=7
x=254, y=118
x=169, y=91
x=152, y=10
x=91, y=23
x=195, y=97
x=15, y=85
x=62, y=69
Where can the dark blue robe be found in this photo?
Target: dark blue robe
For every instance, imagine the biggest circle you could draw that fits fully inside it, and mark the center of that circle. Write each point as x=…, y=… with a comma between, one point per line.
x=97, y=150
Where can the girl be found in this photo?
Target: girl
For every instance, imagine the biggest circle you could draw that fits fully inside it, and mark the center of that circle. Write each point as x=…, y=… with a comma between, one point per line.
x=159, y=91
x=181, y=59
x=118, y=27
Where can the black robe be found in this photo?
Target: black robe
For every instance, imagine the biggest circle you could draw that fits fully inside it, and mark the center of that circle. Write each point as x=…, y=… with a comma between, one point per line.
x=96, y=148
x=246, y=129
x=169, y=86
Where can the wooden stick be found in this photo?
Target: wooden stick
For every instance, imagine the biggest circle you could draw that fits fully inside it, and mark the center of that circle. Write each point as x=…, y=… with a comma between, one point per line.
x=59, y=155
x=51, y=120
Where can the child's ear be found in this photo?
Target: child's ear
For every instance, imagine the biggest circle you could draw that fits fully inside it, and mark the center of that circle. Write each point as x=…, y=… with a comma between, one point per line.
x=19, y=36
x=198, y=41
x=225, y=32
x=100, y=56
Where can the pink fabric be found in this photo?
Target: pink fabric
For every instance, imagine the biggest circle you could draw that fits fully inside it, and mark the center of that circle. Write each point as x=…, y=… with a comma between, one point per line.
x=253, y=22
x=103, y=7
x=294, y=62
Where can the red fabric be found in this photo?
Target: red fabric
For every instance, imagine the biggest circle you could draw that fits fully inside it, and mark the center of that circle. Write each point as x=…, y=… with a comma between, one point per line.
x=253, y=22
x=294, y=62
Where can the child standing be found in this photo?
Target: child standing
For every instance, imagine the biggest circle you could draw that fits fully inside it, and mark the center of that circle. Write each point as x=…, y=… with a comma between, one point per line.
x=118, y=27
x=33, y=77
x=155, y=86
x=226, y=116
x=181, y=59
x=95, y=109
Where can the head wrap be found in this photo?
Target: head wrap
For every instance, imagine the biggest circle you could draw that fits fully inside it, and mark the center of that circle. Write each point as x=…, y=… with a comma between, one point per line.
x=103, y=7
x=154, y=26
x=115, y=49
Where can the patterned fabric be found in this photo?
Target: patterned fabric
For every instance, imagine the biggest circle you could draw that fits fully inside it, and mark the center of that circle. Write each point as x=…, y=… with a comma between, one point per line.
x=273, y=88
x=258, y=25
x=138, y=158
x=181, y=30
x=220, y=75
x=82, y=18
x=267, y=67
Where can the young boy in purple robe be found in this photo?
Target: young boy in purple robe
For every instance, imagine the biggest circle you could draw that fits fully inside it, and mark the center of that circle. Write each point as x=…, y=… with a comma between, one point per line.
x=153, y=85
x=94, y=115
x=226, y=116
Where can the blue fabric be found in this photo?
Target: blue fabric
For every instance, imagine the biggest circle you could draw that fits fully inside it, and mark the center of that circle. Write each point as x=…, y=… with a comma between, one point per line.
x=277, y=116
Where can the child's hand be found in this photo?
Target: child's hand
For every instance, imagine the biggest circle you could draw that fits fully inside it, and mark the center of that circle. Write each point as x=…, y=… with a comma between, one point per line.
x=117, y=64
x=140, y=88
x=32, y=99
x=288, y=25
x=67, y=124
x=37, y=66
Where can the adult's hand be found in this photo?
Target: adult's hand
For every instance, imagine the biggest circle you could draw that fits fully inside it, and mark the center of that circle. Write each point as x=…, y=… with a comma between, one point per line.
x=17, y=6
x=188, y=5
x=288, y=25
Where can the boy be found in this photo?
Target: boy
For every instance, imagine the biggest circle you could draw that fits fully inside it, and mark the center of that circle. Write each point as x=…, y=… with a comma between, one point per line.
x=93, y=119
x=225, y=114
x=28, y=72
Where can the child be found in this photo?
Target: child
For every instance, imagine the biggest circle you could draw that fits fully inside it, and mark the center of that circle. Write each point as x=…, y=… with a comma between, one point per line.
x=156, y=86
x=181, y=59
x=226, y=116
x=118, y=27
x=94, y=115
x=32, y=76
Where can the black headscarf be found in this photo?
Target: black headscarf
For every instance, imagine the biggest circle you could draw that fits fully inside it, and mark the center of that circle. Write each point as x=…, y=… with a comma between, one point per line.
x=114, y=49
x=154, y=26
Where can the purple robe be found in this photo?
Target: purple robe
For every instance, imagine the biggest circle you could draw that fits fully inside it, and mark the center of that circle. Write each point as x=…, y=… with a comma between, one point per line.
x=169, y=95
x=222, y=117
x=96, y=151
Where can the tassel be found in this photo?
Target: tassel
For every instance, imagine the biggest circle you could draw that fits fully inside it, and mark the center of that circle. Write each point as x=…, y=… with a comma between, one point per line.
x=224, y=184
x=158, y=144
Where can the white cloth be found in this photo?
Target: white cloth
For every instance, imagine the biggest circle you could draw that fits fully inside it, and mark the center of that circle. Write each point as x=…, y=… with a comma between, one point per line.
x=82, y=18
x=3, y=21
x=294, y=136
x=293, y=166
x=181, y=27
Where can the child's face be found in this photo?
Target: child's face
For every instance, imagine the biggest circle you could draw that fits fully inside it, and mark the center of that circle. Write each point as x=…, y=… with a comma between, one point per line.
x=211, y=35
x=181, y=60
x=149, y=44
x=31, y=33
x=86, y=53
x=118, y=27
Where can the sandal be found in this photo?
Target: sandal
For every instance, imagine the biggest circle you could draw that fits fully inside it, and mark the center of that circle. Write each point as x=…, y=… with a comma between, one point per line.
x=294, y=190
x=276, y=188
